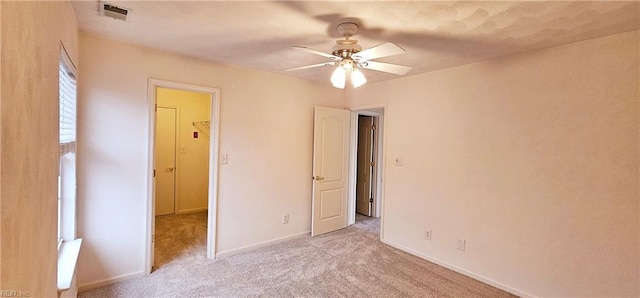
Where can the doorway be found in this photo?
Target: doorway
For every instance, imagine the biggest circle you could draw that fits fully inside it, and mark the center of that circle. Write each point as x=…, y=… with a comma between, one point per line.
x=182, y=176
x=201, y=129
x=367, y=130
x=366, y=165
x=335, y=155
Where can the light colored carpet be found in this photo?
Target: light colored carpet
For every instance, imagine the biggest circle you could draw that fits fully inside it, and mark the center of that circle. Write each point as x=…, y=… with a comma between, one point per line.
x=348, y=263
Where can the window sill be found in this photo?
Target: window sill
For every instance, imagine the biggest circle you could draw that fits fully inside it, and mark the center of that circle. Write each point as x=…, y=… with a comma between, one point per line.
x=67, y=260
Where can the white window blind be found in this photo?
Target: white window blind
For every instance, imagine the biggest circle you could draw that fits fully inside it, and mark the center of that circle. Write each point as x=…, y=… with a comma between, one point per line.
x=67, y=109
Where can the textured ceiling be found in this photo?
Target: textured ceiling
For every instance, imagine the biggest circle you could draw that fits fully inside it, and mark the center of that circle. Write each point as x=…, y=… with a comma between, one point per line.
x=435, y=35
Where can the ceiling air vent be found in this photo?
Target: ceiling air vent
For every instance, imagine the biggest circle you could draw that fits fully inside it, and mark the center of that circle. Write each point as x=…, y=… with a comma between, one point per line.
x=115, y=12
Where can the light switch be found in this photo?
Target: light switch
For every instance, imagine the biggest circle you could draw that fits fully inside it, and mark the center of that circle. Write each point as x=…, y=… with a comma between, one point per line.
x=461, y=244
x=224, y=159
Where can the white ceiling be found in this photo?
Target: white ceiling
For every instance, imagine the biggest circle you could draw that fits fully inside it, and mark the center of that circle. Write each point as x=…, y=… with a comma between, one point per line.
x=436, y=35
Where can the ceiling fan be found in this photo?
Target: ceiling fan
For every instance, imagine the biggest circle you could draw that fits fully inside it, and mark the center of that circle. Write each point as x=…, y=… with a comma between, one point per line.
x=349, y=58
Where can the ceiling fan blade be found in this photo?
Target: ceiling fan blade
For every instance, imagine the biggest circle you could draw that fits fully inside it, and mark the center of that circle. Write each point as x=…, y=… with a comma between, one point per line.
x=387, y=67
x=383, y=50
x=323, y=54
x=311, y=66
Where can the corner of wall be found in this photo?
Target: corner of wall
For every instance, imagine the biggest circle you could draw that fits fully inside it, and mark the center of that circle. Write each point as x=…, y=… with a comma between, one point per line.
x=30, y=37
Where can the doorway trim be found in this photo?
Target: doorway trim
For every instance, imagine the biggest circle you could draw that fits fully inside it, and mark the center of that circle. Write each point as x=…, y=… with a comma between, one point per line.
x=214, y=140
x=378, y=111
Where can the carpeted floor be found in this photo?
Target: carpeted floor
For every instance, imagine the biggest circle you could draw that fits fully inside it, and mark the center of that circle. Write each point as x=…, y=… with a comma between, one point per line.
x=348, y=263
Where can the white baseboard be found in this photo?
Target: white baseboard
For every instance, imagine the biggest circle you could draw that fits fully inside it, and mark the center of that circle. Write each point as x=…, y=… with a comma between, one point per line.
x=193, y=210
x=108, y=281
x=235, y=251
x=462, y=271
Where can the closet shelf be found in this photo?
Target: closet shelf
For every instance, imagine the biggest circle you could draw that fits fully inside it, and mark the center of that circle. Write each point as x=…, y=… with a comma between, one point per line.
x=203, y=127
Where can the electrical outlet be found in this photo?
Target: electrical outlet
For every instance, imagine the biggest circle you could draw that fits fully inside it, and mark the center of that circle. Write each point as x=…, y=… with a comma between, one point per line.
x=427, y=235
x=285, y=219
x=461, y=244
x=398, y=161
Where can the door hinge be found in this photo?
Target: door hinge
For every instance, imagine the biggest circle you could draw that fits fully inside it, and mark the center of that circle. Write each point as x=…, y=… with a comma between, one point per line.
x=154, y=173
x=370, y=200
x=373, y=163
x=156, y=107
x=373, y=127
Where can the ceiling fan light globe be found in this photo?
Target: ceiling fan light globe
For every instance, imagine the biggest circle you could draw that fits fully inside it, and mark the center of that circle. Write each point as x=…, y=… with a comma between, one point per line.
x=338, y=78
x=357, y=78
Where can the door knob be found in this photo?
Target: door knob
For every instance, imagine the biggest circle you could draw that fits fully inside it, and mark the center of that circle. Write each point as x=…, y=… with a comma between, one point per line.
x=318, y=178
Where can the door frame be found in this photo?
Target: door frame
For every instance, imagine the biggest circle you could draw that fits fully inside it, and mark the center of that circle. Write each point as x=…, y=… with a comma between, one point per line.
x=378, y=111
x=214, y=141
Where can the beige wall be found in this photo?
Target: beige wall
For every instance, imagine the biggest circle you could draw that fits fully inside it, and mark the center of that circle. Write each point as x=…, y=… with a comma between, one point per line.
x=31, y=33
x=266, y=129
x=532, y=159
x=192, y=174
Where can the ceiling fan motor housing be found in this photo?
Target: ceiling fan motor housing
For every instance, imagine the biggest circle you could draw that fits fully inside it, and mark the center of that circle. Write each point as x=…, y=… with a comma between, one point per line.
x=345, y=47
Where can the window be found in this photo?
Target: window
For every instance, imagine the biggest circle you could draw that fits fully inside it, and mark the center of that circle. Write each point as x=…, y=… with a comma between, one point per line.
x=67, y=173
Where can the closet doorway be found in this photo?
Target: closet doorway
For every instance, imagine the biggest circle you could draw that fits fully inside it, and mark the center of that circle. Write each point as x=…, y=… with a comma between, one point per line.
x=182, y=174
x=366, y=165
x=183, y=166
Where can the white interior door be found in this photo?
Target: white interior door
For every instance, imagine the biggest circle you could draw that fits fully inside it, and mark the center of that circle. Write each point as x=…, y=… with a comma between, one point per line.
x=165, y=160
x=330, y=170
